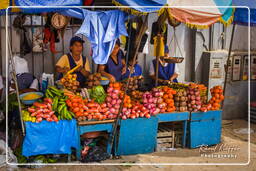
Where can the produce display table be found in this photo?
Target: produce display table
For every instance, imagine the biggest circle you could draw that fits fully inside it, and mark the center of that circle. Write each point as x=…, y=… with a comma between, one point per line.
x=50, y=137
x=137, y=136
x=92, y=126
x=205, y=128
x=173, y=117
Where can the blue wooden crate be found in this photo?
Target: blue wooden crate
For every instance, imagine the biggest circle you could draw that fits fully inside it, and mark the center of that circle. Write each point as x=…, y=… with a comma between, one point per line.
x=108, y=127
x=204, y=128
x=137, y=136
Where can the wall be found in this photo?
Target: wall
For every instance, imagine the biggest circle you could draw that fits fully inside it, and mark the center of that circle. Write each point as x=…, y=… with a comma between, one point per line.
x=236, y=101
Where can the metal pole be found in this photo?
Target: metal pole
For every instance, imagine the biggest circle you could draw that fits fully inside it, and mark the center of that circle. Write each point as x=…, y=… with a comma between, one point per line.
x=226, y=66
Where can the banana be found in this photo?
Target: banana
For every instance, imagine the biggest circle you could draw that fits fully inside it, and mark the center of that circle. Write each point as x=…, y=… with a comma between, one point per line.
x=60, y=108
x=55, y=103
x=49, y=92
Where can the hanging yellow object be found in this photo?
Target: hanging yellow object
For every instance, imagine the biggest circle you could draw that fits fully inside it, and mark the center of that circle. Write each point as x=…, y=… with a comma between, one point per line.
x=158, y=46
x=15, y=9
x=4, y=4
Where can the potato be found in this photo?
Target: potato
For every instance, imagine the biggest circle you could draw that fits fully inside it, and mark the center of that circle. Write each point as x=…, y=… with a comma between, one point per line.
x=176, y=98
x=182, y=98
x=90, y=84
x=177, y=104
x=183, y=104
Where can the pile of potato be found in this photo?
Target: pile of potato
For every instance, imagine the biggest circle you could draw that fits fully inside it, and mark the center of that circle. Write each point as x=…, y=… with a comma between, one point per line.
x=93, y=80
x=135, y=83
x=69, y=82
x=180, y=100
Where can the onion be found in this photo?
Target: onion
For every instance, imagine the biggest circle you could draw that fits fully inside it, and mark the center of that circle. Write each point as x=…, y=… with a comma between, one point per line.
x=161, y=93
x=117, y=106
x=162, y=110
x=114, y=96
x=112, y=110
x=192, y=97
x=119, y=101
x=159, y=100
x=155, y=100
x=108, y=99
x=150, y=100
x=197, y=97
x=191, y=92
x=116, y=91
x=197, y=93
x=110, y=89
x=113, y=102
x=193, y=102
x=198, y=102
x=124, y=109
x=109, y=105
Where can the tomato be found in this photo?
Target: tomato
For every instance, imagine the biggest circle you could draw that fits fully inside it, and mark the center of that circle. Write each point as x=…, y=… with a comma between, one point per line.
x=76, y=109
x=75, y=104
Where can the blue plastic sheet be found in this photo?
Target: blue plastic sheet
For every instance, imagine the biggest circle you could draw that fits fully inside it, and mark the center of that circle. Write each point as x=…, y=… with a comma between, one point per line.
x=138, y=4
x=241, y=14
x=50, y=137
x=45, y=3
x=102, y=29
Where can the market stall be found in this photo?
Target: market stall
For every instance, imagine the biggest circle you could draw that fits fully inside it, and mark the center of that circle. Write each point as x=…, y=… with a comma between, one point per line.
x=124, y=114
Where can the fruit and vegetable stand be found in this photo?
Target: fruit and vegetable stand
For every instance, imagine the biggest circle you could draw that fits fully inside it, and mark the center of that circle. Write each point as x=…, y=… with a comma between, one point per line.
x=97, y=109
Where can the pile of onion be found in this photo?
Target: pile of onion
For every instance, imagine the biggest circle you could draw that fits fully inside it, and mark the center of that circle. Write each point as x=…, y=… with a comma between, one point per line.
x=194, y=99
x=113, y=102
x=137, y=110
x=154, y=102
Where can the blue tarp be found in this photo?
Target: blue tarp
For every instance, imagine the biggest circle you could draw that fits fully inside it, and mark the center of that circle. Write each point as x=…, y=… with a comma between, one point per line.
x=102, y=28
x=139, y=3
x=50, y=137
x=241, y=14
x=45, y=3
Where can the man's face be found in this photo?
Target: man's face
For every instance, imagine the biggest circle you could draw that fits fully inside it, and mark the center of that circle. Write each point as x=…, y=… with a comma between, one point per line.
x=115, y=50
x=76, y=48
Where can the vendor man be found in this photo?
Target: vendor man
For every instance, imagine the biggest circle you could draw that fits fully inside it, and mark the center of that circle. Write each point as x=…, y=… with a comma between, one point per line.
x=74, y=58
x=166, y=71
x=115, y=67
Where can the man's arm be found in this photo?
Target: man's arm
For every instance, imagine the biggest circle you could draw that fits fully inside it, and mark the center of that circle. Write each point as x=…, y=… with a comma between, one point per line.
x=61, y=69
x=175, y=75
x=105, y=74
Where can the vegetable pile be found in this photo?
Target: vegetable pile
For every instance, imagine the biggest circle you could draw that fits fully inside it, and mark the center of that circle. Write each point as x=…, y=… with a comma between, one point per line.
x=69, y=82
x=93, y=80
x=43, y=111
x=137, y=110
x=59, y=102
x=168, y=98
x=181, y=100
x=97, y=93
x=113, y=99
x=135, y=83
x=217, y=97
x=137, y=95
x=154, y=102
x=194, y=99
